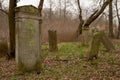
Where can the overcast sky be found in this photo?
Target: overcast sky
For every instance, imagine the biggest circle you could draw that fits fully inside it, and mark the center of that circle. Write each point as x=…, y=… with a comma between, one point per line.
x=72, y=9
x=36, y=2
x=84, y=3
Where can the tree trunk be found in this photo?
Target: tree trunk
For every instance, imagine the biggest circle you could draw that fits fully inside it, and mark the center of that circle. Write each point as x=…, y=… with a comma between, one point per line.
x=110, y=21
x=40, y=7
x=118, y=33
x=117, y=11
x=50, y=14
x=12, y=5
x=79, y=30
x=65, y=6
x=60, y=9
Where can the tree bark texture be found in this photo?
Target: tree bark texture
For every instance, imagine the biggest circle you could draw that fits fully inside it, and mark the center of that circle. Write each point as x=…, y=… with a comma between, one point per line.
x=110, y=21
x=117, y=11
x=12, y=5
x=40, y=7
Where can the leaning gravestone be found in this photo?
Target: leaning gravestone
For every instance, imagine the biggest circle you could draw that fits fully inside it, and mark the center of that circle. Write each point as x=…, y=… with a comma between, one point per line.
x=95, y=45
x=98, y=38
x=28, y=38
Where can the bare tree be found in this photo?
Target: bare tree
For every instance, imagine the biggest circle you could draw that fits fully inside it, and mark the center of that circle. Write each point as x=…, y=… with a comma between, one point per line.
x=50, y=14
x=65, y=6
x=79, y=31
x=40, y=7
x=110, y=20
x=118, y=17
x=60, y=8
x=91, y=18
x=12, y=5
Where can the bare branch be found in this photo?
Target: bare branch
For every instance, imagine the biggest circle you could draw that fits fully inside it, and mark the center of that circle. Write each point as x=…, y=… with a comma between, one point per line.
x=40, y=7
x=117, y=10
x=91, y=19
x=93, y=14
x=80, y=11
x=79, y=5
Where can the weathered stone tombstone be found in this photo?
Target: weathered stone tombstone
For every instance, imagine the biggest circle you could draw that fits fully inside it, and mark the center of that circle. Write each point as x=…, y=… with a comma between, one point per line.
x=95, y=45
x=107, y=43
x=52, y=40
x=28, y=38
x=98, y=38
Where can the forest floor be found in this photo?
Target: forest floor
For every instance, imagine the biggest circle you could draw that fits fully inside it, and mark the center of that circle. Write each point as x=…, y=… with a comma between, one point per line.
x=68, y=63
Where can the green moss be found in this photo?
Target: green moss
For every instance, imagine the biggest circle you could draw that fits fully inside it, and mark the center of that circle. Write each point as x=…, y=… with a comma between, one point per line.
x=22, y=68
x=39, y=66
x=28, y=9
x=95, y=45
x=32, y=10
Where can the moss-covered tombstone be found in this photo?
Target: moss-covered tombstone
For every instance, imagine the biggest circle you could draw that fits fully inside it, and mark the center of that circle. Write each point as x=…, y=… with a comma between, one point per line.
x=95, y=45
x=28, y=38
x=98, y=38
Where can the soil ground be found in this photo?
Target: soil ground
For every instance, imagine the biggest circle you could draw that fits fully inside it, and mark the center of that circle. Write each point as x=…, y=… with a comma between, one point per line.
x=68, y=63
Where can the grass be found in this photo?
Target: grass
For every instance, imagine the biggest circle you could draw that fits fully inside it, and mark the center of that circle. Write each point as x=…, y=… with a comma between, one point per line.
x=65, y=50
x=68, y=64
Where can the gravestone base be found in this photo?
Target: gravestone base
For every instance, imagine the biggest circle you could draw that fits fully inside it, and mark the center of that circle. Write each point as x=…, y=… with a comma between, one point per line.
x=25, y=68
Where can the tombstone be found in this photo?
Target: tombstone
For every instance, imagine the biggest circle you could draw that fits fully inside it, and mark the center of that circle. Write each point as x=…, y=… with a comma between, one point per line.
x=28, y=38
x=52, y=40
x=98, y=38
x=4, y=26
x=107, y=43
x=95, y=45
